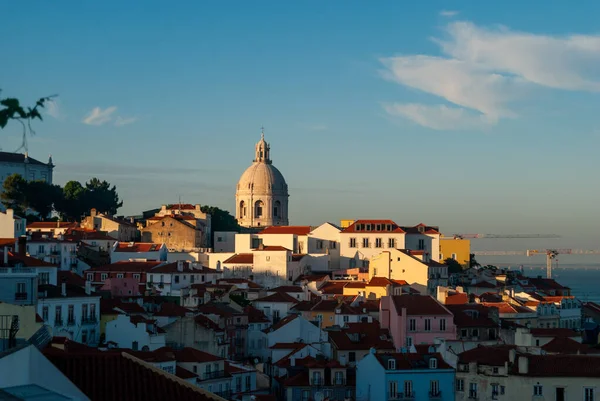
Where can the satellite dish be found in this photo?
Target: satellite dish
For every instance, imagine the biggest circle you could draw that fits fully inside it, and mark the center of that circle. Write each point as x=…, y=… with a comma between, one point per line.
x=319, y=396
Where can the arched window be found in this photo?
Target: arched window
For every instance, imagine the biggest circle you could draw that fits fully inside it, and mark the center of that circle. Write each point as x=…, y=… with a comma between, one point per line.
x=258, y=209
x=277, y=209
x=242, y=209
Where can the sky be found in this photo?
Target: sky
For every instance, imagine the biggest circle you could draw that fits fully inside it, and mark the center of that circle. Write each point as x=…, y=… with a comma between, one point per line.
x=473, y=116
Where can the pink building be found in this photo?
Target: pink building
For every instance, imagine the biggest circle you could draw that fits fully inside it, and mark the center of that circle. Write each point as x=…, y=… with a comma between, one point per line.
x=121, y=286
x=416, y=319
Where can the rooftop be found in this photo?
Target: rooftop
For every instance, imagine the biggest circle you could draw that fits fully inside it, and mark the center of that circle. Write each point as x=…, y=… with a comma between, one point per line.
x=373, y=226
x=240, y=258
x=296, y=230
x=137, y=247
x=49, y=291
x=127, y=266
x=419, y=305
x=489, y=356
x=278, y=297
x=411, y=361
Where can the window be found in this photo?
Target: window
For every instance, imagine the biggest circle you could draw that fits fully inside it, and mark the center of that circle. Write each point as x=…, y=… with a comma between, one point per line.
x=192, y=278
x=305, y=395
x=352, y=356
x=421, y=244
x=71, y=314
x=103, y=276
x=365, y=242
x=84, y=312
x=412, y=324
x=434, y=387
x=316, y=378
x=502, y=389
x=268, y=258
x=464, y=333
x=475, y=332
x=248, y=384
x=58, y=315
x=391, y=364
x=391, y=243
x=319, y=244
x=588, y=394
x=238, y=384
x=339, y=378
x=393, y=389
x=90, y=277
x=119, y=275
x=495, y=370
x=275, y=314
x=45, y=313
x=454, y=256
x=494, y=390
x=473, y=390
x=93, y=311
x=432, y=363
x=21, y=292
x=409, y=341
x=84, y=336
x=134, y=345
x=460, y=385
x=346, y=318
x=378, y=243
x=427, y=324
x=537, y=389
x=442, y=324
x=176, y=279
x=258, y=209
x=136, y=276
x=332, y=245
x=92, y=337
x=352, y=242
x=44, y=278
x=408, y=388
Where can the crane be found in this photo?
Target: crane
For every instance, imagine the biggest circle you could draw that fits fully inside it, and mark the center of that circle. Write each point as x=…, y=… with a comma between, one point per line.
x=490, y=236
x=551, y=254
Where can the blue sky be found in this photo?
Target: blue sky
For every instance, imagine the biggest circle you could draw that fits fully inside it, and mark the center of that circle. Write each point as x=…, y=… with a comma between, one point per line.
x=476, y=117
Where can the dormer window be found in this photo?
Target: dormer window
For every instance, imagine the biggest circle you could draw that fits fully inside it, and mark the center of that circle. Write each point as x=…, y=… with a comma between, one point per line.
x=433, y=363
x=391, y=364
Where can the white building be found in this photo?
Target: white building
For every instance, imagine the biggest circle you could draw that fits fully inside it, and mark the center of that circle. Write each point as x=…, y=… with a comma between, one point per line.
x=275, y=306
x=170, y=278
x=135, y=332
x=11, y=225
x=71, y=312
x=122, y=251
x=27, y=167
x=262, y=193
x=55, y=251
x=209, y=369
x=296, y=329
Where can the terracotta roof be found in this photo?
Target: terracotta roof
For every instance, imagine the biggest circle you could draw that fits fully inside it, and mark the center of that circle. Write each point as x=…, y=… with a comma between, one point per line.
x=457, y=299
x=26, y=261
x=9, y=242
x=362, y=336
x=108, y=305
x=278, y=297
x=51, y=224
x=302, y=379
x=505, y=307
x=471, y=315
x=240, y=258
x=419, y=305
x=384, y=282
x=281, y=323
x=204, y=321
x=489, y=356
x=566, y=345
x=172, y=216
x=385, y=226
x=333, y=287
x=272, y=248
x=157, y=356
x=546, y=284
x=109, y=376
x=409, y=361
x=126, y=266
x=421, y=229
x=137, y=247
x=296, y=230
x=65, y=276
x=184, y=373
x=356, y=284
x=171, y=309
x=561, y=366
x=287, y=288
x=557, y=332
x=192, y=355
x=311, y=277
x=255, y=315
x=371, y=305
x=55, y=291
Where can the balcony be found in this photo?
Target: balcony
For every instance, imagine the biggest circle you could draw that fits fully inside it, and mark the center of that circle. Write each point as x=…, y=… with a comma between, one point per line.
x=316, y=381
x=20, y=296
x=213, y=375
x=338, y=382
x=473, y=395
x=58, y=322
x=435, y=395
x=401, y=396
x=89, y=320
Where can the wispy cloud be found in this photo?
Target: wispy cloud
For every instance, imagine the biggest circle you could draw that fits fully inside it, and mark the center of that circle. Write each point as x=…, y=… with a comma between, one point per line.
x=120, y=121
x=448, y=13
x=54, y=109
x=100, y=117
x=485, y=71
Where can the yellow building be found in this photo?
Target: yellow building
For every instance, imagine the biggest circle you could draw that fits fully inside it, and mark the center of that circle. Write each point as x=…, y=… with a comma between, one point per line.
x=457, y=249
x=28, y=321
x=346, y=223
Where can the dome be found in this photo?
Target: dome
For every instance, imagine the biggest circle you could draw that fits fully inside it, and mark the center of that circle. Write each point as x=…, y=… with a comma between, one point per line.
x=262, y=179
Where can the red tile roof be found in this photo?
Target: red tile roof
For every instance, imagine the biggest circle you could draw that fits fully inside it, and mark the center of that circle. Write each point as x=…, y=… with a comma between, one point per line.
x=419, y=305
x=137, y=247
x=359, y=226
x=255, y=315
x=108, y=305
x=281, y=323
x=287, y=288
x=170, y=309
x=192, y=355
x=384, y=282
x=204, y=321
x=9, y=242
x=55, y=291
x=457, y=299
x=240, y=258
x=296, y=230
x=560, y=366
x=565, y=345
x=172, y=216
x=187, y=267
x=333, y=287
x=119, y=376
x=592, y=305
x=126, y=266
x=311, y=277
x=546, y=284
x=278, y=297
x=421, y=229
x=362, y=336
x=26, y=261
x=65, y=276
x=557, y=332
x=184, y=373
x=489, y=356
x=472, y=315
x=505, y=307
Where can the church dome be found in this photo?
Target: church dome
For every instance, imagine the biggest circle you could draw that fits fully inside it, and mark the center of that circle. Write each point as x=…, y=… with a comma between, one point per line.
x=262, y=193
x=262, y=179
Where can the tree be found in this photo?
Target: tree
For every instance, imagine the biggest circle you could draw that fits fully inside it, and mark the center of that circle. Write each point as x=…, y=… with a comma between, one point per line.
x=11, y=109
x=73, y=204
x=42, y=196
x=220, y=220
x=15, y=193
x=102, y=197
x=472, y=261
x=453, y=266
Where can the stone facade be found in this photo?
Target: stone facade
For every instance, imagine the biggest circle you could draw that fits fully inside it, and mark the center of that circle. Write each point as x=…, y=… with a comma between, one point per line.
x=175, y=232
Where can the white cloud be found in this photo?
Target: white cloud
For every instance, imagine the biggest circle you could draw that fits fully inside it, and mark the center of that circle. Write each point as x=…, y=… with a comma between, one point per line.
x=100, y=117
x=120, y=121
x=485, y=71
x=439, y=117
x=53, y=108
x=448, y=13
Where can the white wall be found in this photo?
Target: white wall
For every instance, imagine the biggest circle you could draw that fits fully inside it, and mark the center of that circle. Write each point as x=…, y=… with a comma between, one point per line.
x=301, y=329
x=74, y=332
x=362, y=253
x=329, y=237
x=124, y=333
x=11, y=227
x=224, y=241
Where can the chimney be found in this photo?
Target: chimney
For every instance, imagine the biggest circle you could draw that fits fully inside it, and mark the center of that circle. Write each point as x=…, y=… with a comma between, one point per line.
x=180, y=265
x=88, y=287
x=22, y=246
x=93, y=212
x=523, y=365
x=5, y=256
x=512, y=354
x=293, y=361
x=63, y=289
